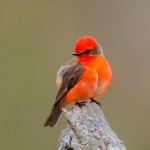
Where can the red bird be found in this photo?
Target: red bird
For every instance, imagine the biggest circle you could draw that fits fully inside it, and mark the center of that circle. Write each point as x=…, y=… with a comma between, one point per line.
x=86, y=76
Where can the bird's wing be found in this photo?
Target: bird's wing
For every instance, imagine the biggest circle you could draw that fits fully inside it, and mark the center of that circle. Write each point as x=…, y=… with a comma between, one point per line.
x=65, y=67
x=62, y=70
x=70, y=76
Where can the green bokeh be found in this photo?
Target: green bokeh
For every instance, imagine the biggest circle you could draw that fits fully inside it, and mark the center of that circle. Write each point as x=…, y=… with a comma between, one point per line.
x=37, y=37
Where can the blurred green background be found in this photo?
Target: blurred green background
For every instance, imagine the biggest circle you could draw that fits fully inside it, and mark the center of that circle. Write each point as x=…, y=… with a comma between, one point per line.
x=37, y=37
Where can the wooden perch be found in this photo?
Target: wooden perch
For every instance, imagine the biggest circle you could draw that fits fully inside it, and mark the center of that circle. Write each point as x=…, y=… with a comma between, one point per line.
x=88, y=130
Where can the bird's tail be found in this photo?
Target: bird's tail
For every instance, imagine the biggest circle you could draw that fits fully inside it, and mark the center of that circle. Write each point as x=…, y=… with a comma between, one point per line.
x=53, y=117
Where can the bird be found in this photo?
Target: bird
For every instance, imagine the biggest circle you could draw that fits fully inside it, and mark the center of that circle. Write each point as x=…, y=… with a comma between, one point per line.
x=86, y=76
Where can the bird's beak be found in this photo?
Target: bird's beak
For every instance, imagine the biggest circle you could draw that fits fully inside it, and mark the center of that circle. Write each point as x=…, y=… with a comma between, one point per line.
x=76, y=54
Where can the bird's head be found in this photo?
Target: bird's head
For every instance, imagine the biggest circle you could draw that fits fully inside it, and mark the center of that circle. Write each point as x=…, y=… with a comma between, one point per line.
x=87, y=45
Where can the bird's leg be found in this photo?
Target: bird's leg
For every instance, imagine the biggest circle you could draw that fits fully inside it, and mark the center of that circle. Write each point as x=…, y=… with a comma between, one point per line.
x=68, y=148
x=93, y=100
x=80, y=104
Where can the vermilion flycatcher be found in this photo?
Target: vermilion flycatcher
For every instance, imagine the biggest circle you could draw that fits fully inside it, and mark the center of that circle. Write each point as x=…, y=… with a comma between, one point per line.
x=86, y=76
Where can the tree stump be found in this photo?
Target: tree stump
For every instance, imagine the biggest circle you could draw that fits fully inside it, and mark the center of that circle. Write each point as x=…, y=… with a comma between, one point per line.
x=88, y=130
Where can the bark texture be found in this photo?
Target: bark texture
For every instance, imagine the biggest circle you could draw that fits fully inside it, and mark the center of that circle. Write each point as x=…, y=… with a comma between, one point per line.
x=88, y=130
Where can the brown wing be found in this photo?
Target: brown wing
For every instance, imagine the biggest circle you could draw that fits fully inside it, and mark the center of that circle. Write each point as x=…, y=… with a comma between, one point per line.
x=62, y=70
x=70, y=77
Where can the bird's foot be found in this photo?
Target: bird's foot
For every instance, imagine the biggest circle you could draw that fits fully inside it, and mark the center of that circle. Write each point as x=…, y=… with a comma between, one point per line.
x=93, y=100
x=80, y=104
x=68, y=148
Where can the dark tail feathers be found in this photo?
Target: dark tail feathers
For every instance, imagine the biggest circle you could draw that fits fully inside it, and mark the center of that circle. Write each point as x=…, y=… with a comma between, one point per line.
x=53, y=117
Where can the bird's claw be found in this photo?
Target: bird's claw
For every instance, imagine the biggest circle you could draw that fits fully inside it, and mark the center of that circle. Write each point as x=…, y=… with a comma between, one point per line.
x=93, y=100
x=80, y=104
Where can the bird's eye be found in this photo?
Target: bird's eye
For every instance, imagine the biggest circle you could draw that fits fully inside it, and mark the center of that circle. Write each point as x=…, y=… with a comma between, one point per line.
x=87, y=51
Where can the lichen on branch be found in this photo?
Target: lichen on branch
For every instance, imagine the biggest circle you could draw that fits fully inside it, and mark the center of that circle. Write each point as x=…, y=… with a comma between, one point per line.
x=88, y=130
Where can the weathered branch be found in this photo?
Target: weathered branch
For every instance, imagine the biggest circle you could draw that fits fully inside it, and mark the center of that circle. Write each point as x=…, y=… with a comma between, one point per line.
x=88, y=130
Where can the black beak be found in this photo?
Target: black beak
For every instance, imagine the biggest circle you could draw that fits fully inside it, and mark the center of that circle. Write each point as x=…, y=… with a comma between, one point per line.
x=76, y=54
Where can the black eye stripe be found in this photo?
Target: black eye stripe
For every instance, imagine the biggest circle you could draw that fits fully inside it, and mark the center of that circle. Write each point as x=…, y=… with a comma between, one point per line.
x=87, y=51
